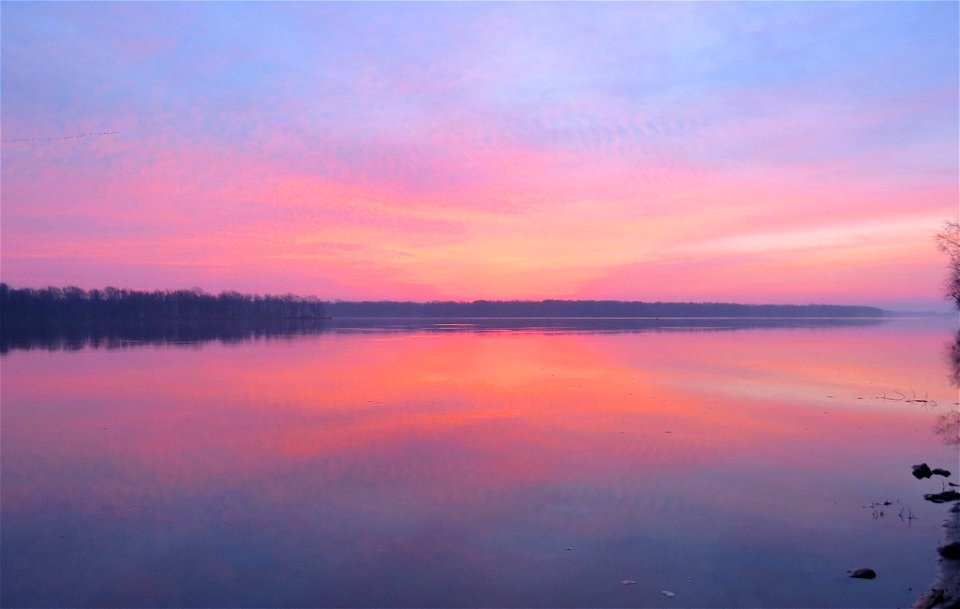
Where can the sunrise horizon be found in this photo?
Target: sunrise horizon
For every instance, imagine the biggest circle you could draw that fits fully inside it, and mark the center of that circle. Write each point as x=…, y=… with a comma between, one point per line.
x=902, y=310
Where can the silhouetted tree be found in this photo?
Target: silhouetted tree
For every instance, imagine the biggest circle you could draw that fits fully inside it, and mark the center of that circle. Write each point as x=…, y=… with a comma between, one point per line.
x=949, y=241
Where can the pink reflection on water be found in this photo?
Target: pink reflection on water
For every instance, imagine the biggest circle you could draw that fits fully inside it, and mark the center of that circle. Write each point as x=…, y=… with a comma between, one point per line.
x=330, y=460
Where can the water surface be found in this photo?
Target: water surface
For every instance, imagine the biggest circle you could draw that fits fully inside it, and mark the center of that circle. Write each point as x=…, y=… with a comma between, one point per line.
x=476, y=465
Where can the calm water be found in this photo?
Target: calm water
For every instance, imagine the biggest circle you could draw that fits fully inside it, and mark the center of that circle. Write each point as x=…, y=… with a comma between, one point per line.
x=504, y=467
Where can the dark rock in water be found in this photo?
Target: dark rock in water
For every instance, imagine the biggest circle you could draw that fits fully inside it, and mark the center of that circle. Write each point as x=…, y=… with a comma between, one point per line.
x=943, y=497
x=951, y=551
x=863, y=573
x=938, y=471
x=922, y=471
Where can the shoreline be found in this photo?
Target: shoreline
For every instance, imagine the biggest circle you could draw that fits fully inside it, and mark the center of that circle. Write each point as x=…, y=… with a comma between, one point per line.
x=944, y=592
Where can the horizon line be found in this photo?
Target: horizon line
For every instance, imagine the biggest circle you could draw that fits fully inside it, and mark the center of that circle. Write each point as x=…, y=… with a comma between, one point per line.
x=201, y=290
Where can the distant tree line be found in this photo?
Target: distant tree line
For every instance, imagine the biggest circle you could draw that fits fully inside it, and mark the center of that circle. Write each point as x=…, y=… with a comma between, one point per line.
x=588, y=308
x=52, y=305
x=28, y=307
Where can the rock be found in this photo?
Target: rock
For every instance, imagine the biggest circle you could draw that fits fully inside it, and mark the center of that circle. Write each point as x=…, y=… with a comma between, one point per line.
x=943, y=497
x=951, y=551
x=939, y=471
x=922, y=471
x=862, y=573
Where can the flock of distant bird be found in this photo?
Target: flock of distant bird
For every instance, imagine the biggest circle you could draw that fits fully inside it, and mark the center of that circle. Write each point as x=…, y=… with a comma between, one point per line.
x=62, y=137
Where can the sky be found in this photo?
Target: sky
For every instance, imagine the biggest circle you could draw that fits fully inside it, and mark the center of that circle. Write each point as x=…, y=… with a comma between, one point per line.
x=748, y=152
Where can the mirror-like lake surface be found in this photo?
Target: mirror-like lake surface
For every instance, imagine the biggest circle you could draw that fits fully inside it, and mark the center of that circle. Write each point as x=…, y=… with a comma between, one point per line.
x=505, y=467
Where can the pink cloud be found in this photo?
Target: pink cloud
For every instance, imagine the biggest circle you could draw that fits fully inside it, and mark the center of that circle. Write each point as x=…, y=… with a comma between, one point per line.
x=470, y=211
